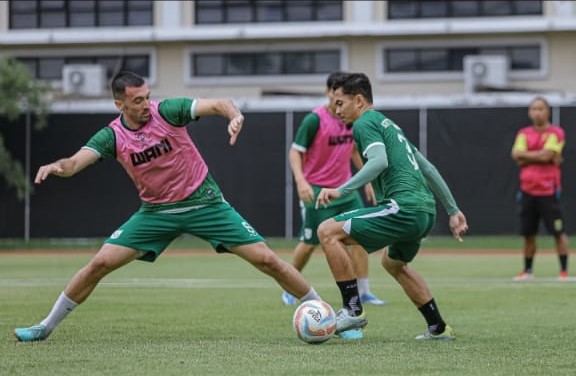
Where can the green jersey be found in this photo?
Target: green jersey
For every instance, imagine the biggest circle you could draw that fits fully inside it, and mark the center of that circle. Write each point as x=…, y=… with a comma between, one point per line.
x=402, y=180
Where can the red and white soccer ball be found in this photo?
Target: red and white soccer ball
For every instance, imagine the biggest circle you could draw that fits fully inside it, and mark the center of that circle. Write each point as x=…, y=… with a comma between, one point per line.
x=314, y=321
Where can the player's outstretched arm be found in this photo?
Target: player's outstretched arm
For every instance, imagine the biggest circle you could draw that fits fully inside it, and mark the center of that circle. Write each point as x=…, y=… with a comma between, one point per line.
x=67, y=166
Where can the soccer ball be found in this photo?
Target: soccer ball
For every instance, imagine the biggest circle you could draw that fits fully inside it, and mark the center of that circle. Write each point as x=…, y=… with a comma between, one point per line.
x=314, y=321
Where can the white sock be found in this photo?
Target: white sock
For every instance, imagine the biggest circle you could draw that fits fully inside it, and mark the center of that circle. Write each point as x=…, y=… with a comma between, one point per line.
x=60, y=310
x=311, y=295
x=363, y=286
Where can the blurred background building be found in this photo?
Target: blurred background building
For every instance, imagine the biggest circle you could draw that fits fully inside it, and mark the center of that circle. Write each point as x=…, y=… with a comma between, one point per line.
x=456, y=75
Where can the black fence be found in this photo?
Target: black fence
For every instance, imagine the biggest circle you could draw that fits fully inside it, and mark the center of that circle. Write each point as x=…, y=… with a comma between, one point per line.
x=470, y=147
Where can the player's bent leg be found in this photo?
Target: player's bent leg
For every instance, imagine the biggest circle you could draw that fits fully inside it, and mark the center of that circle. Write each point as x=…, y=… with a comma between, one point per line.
x=268, y=262
x=333, y=239
x=109, y=258
x=411, y=282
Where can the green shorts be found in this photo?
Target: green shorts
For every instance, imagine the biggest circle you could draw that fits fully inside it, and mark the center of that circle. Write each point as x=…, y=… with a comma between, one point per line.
x=388, y=225
x=311, y=217
x=151, y=232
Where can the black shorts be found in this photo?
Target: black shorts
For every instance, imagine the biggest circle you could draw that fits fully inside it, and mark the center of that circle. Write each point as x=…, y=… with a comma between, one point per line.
x=536, y=208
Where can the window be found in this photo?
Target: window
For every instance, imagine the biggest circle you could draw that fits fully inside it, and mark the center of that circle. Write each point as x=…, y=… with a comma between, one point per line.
x=50, y=68
x=265, y=63
x=36, y=14
x=411, y=60
x=253, y=11
x=451, y=9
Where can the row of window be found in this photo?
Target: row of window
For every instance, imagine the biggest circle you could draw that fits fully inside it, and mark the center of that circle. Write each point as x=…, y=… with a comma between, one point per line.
x=299, y=62
x=40, y=14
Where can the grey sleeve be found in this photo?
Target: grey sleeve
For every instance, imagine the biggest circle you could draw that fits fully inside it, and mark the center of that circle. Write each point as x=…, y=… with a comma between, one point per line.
x=376, y=163
x=437, y=184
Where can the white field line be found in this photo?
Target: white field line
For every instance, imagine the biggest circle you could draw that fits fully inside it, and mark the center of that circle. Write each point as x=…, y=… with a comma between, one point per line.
x=259, y=283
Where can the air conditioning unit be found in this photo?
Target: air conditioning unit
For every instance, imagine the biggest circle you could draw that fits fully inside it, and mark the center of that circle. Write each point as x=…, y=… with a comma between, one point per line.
x=485, y=73
x=84, y=79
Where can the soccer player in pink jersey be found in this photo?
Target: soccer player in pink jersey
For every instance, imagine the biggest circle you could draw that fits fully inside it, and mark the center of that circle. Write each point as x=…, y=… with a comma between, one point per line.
x=538, y=152
x=150, y=140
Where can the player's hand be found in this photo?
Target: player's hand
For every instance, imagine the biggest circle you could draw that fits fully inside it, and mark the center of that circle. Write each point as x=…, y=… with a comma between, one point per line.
x=326, y=196
x=458, y=225
x=305, y=192
x=234, y=128
x=49, y=169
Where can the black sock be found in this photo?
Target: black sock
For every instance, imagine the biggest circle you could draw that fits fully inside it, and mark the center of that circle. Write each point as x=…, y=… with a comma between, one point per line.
x=350, y=296
x=432, y=315
x=528, y=264
x=563, y=262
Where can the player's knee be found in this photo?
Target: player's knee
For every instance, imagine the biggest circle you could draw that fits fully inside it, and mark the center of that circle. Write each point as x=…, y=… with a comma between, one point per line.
x=325, y=232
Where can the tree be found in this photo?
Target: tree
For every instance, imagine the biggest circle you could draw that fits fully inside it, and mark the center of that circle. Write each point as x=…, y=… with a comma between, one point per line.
x=20, y=94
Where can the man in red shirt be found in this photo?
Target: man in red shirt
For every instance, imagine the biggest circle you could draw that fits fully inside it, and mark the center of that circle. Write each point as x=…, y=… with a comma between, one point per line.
x=538, y=151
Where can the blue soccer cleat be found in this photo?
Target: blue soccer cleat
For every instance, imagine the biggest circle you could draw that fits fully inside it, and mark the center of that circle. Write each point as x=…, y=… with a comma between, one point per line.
x=31, y=334
x=371, y=299
x=351, y=335
x=288, y=299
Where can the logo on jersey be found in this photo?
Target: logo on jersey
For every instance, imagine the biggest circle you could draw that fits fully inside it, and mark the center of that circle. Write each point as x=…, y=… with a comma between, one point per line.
x=116, y=234
x=151, y=153
x=249, y=228
x=142, y=137
x=339, y=140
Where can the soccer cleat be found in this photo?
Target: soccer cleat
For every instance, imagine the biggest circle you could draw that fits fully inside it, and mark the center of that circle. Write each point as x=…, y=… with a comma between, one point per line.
x=447, y=335
x=563, y=275
x=345, y=321
x=288, y=299
x=524, y=276
x=351, y=335
x=33, y=333
x=372, y=299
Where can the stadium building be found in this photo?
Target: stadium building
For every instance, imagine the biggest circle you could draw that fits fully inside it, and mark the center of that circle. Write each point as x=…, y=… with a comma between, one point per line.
x=456, y=75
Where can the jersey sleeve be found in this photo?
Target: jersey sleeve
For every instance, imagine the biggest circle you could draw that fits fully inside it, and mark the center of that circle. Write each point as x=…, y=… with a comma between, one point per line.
x=178, y=111
x=103, y=143
x=555, y=143
x=306, y=132
x=366, y=135
x=520, y=143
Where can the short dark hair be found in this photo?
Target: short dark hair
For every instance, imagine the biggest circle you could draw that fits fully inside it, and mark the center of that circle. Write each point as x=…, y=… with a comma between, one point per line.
x=356, y=83
x=335, y=78
x=542, y=99
x=124, y=79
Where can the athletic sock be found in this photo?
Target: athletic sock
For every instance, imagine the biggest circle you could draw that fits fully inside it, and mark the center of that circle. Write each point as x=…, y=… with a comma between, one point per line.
x=350, y=296
x=363, y=286
x=60, y=310
x=528, y=261
x=310, y=295
x=432, y=316
x=563, y=262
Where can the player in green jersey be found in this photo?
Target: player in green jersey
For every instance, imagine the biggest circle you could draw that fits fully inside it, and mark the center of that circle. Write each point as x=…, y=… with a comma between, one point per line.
x=403, y=181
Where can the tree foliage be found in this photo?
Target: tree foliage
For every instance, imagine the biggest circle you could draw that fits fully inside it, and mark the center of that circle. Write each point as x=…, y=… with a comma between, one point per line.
x=19, y=93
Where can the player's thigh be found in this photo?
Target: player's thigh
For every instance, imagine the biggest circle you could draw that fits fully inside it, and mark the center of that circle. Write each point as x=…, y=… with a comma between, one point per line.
x=147, y=232
x=221, y=225
x=312, y=218
x=552, y=214
x=529, y=213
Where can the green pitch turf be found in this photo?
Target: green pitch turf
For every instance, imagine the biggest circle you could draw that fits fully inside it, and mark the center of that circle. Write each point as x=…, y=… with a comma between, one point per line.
x=206, y=314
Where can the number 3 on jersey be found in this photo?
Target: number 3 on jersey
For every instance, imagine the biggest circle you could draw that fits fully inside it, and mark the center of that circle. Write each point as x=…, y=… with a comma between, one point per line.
x=410, y=154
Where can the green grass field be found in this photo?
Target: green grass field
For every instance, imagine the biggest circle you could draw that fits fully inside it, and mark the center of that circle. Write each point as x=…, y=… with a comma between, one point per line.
x=202, y=314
